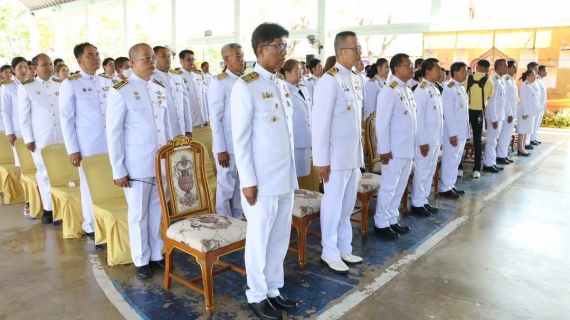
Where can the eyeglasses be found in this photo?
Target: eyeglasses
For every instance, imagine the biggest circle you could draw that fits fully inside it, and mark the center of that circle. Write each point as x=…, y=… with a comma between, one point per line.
x=280, y=46
x=189, y=59
x=356, y=49
x=147, y=59
x=409, y=66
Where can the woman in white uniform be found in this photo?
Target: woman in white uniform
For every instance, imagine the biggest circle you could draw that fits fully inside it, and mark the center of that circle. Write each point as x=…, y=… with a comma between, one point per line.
x=378, y=75
x=530, y=107
x=302, y=105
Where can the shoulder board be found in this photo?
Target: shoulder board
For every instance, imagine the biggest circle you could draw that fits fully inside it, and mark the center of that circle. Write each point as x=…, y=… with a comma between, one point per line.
x=280, y=76
x=356, y=73
x=198, y=72
x=28, y=81
x=120, y=84
x=527, y=82
x=74, y=77
x=393, y=85
x=373, y=78
x=159, y=83
x=176, y=71
x=310, y=78
x=333, y=71
x=2, y=82
x=451, y=84
x=56, y=80
x=8, y=81
x=250, y=77
x=105, y=76
x=423, y=85
x=301, y=84
x=222, y=76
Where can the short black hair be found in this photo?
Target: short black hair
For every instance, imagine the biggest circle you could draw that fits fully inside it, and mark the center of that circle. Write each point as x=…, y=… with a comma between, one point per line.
x=265, y=33
x=498, y=62
x=511, y=63
x=184, y=52
x=418, y=62
x=17, y=60
x=397, y=60
x=340, y=38
x=156, y=48
x=35, y=59
x=107, y=60
x=120, y=62
x=531, y=65
x=203, y=64
x=427, y=65
x=418, y=74
x=447, y=72
x=5, y=67
x=541, y=68
x=455, y=67
x=57, y=60
x=483, y=63
x=80, y=48
x=313, y=64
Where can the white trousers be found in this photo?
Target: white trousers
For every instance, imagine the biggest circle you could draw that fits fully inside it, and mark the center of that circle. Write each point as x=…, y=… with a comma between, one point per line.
x=303, y=161
x=267, y=240
x=505, y=139
x=144, y=215
x=228, y=199
x=43, y=180
x=86, y=202
x=336, y=208
x=490, y=154
x=424, y=170
x=537, y=122
x=395, y=177
x=450, y=160
x=18, y=134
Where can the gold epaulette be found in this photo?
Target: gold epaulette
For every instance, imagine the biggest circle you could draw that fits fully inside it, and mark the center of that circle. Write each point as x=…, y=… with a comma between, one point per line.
x=250, y=77
x=527, y=82
x=423, y=85
x=159, y=83
x=302, y=84
x=7, y=81
x=280, y=76
x=451, y=84
x=2, y=82
x=75, y=76
x=120, y=84
x=393, y=85
x=178, y=72
x=310, y=78
x=56, y=80
x=222, y=76
x=28, y=81
x=198, y=72
x=106, y=76
x=373, y=78
x=333, y=71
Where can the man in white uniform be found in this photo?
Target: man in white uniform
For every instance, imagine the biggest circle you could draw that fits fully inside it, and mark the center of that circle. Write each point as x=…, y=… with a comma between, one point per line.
x=456, y=129
x=542, y=73
x=511, y=105
x=495, y=116
x=228, y=199
x=83, y=104
x=123, y=68
x=39, y=121
x=262, y=133
x=137, y=126
x=428, y=136
x=396, y=132
x=194, y=85
x=337, y=150
x=176, y=94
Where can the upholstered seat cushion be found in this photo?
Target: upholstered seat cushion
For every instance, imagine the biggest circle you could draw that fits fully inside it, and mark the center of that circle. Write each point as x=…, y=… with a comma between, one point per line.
x=306, y=202
x=208, y=232
x=368, y=182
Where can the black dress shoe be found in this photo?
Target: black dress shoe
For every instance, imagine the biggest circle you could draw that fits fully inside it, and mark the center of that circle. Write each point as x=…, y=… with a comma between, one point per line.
x=539, y=142
x=159, y=264
x=509, y=160
x=47, y=217
x=422, y=211
x=430, y=208
x=143, y=272
x=459, y=192
x=386, y=233
x=90, y=235
x=400, y=229
x=502, y=161
x=523, y=154
x=498, y=168
x=528, y=147
x=264, y=310
x=450, y=194
x=492, y=169
x=533, y=143
x=281, y=303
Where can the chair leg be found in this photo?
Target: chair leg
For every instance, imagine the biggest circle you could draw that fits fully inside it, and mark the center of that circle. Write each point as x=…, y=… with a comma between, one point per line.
x=364, y=215
x=207, y=265
x=168, y=267
x=302, y=242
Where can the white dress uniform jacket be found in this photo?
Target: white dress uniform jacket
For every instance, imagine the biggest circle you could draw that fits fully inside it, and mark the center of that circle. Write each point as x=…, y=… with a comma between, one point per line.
x=495, y=112
x=219, y=95
x=311, y=82
x=10, y=111
x=178, y=101
x=429, y=131
x=371, y=90
x=530, y=106
x=456, y=124
x=198, y=111
x=396, y=132
x=302, y=114
x=511, y=101
x=538, y=118
x=262, y=133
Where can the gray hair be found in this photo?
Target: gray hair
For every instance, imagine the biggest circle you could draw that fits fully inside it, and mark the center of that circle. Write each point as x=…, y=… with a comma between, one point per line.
x=229, y=46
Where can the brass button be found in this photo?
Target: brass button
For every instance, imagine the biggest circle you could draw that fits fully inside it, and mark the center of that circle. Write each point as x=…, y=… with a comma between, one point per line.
x=158, y=130
x=156, y=116
x=348, y=108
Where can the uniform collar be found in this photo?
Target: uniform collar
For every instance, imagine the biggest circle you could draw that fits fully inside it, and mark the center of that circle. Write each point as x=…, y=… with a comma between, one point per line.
x=16, y=81
x=269, y=76
x=232, y=75
x=293, y=88
x=42, y=82
x=136, y=79
x=400, y=82
x=456, y=82
x=429, y=83
x=342, y=70
x=85, y=74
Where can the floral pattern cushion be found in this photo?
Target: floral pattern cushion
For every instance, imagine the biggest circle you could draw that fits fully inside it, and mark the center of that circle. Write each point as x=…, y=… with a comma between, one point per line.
x=306, y=203
x=208, y=232
x=368, y=182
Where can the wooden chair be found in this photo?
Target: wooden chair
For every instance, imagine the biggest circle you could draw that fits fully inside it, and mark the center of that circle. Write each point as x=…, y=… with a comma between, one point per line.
x=66, y=199
x=204, y=136
x=10, y=185
x=306, y=208
x=197, y=232
x=28, y=177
